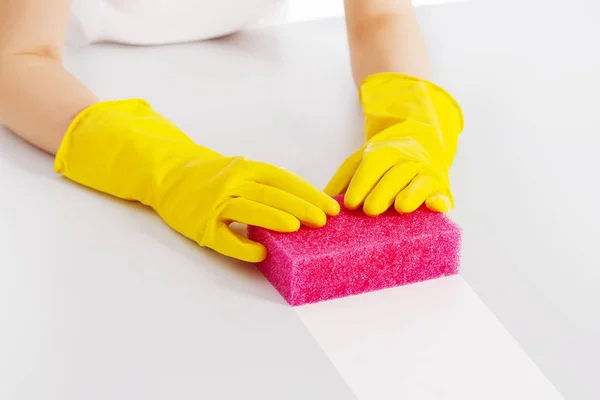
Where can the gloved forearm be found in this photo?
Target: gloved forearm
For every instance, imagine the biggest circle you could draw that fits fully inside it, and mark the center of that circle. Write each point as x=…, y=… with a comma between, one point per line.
x=411, y=124
x=126, y=149
x=116, y=146
x=411, y=130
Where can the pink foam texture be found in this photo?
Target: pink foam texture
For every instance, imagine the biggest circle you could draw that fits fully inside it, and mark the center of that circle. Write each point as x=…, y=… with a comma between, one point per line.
x=355, y=253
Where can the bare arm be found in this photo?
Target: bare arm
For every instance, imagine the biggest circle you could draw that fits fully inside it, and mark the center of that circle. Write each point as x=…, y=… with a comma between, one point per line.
x=384, y=36
x=38, y=97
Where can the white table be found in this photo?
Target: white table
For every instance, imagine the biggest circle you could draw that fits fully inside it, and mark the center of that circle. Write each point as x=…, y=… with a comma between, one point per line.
x=525, y=178
x=99, y=300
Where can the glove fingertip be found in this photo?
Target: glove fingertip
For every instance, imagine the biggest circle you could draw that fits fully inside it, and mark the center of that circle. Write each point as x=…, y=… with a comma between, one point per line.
x=372, y=208
x=255, y=253
x=352, y=200
x=438, y=203
x=319, y=220
x=334, y=188
x=404, y=207
x=405, y=203
x=333, y=208
x=291, y=224
x=246, y=250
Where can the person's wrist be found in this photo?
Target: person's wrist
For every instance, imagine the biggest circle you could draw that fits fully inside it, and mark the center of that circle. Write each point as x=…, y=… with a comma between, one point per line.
x=170, y=159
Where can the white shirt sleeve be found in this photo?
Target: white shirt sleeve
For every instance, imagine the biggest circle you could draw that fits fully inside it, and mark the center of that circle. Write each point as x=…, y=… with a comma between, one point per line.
x=156, y=22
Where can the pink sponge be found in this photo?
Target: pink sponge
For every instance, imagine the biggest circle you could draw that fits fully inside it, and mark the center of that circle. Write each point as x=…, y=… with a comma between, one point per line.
x=355, y=253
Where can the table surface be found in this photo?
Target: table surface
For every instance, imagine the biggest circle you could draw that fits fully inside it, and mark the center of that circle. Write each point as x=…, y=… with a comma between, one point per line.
x=526, y=73
x=98, y=299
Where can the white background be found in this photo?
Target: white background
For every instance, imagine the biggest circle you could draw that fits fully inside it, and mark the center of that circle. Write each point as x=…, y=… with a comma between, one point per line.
x=306, y=10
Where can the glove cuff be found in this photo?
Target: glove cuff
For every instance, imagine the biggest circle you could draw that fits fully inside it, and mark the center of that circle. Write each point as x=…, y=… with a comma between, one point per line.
x=113, y=147
x=389, y=98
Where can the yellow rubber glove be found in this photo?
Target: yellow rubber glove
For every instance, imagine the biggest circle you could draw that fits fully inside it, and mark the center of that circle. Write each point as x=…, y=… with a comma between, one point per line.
x=126, y=149
x=412, y=128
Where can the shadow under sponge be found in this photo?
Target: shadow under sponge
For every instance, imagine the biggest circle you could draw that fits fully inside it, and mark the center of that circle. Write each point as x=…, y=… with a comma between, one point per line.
x=354, y=253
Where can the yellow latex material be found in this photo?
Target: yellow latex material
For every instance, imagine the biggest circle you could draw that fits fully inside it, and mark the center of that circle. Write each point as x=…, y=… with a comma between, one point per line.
x=411, y=128
x=126, y=149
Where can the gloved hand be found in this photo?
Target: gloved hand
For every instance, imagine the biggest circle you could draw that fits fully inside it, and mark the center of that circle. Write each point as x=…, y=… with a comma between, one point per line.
x=126, y=149
x=412, y=128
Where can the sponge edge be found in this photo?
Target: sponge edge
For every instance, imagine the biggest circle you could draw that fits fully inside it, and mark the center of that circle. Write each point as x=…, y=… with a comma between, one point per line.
x=355, y=253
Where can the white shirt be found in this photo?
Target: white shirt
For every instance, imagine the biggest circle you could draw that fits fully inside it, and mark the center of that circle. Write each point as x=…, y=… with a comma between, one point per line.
x=155, y=22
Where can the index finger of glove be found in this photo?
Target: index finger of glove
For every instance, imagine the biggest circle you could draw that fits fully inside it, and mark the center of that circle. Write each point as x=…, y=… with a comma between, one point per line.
x=307, y=213
x=372, y=168
x=293, y=184
x=250, y=212
x=342, y=177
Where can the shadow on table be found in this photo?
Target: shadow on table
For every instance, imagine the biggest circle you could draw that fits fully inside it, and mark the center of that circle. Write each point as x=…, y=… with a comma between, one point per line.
x=229, y=274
